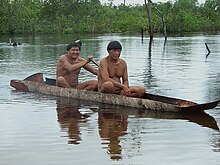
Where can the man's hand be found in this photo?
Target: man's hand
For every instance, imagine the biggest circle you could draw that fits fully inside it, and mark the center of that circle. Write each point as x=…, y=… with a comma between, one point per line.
x=89, y=58
x=126, y=91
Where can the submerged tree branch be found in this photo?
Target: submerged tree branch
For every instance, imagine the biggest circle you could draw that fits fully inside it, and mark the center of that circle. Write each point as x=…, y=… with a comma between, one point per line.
x=207, y=48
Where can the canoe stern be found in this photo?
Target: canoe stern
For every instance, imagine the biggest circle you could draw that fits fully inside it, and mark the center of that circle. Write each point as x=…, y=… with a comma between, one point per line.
x=37, y=77
x=19, y=85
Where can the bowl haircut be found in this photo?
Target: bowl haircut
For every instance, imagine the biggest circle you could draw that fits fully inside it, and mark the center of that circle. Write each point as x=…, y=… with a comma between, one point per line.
x=76, y=43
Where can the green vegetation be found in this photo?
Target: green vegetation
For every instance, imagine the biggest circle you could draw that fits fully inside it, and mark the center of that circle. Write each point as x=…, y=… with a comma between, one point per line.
x=90, y=16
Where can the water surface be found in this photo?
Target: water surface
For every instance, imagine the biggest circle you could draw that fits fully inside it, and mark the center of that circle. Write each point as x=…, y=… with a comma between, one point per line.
x=41, y=129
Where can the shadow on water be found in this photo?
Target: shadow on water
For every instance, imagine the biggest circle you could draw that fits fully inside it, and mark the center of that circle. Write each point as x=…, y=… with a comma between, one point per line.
x=113, y=121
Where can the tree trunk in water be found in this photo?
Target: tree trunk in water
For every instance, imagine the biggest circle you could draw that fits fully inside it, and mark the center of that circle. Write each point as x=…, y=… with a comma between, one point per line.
x=163, y=22
x=148, y=6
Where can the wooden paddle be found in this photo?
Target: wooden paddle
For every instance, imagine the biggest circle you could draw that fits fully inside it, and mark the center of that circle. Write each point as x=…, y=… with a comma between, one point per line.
x=95, y=63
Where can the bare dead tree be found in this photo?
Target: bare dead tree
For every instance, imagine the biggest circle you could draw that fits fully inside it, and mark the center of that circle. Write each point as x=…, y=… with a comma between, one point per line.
x=148, y=7
x=163, y=22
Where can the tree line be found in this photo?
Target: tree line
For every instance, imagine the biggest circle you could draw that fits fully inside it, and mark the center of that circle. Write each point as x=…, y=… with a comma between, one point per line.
x=90, y=16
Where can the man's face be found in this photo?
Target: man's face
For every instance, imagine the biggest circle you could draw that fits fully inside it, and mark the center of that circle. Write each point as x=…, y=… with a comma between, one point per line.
x=115, y=53
x=74, y=52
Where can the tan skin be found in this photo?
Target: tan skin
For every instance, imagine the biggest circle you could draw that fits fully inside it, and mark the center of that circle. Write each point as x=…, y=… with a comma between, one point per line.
x=113, y=76
x=68, y=69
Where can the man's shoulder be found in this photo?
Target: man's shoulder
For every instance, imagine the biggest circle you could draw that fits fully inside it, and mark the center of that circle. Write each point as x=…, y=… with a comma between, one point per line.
x=80, y=59
x=104, y=59
x=63, y=56
x=121, y=62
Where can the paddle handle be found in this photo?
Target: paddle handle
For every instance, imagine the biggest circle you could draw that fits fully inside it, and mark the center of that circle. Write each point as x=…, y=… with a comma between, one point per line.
x=95, y=63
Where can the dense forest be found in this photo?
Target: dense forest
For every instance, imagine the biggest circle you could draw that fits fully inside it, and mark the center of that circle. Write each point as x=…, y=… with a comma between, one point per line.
x=90, y=16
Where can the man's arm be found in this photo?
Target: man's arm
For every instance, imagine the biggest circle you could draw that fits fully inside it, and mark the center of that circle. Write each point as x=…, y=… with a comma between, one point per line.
x=125, y=75
x=71, y=67
x=89, y=67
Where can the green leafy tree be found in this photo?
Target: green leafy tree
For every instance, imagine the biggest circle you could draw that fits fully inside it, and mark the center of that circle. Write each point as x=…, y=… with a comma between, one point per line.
x=90, y=16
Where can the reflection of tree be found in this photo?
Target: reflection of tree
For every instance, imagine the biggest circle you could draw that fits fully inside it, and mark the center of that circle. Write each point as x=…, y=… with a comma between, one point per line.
x=111, y=127
x=148, y=68
x=69, y=118
x=216, y=142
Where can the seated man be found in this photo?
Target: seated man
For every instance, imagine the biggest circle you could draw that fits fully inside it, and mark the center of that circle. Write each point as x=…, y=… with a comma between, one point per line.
x=111, y=70
x=68, y=69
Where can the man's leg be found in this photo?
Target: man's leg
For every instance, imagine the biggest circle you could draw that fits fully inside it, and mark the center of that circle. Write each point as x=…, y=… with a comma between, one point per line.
x=107, y=87
x=61, y=82
x=91, y=85
x=137, y=91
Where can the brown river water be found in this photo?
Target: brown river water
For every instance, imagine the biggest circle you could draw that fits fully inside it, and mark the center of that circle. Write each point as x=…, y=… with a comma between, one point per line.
x=41, y=129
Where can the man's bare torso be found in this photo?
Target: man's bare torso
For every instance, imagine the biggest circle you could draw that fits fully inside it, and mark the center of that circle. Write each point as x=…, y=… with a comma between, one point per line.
x=115, y=70
x=71, y=77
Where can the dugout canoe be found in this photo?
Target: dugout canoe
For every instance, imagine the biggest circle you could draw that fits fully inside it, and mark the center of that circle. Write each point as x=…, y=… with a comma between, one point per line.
x=36, y=83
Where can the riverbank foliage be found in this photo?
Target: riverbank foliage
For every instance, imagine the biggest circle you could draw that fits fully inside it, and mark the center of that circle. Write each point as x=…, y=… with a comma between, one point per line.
x=90, y=16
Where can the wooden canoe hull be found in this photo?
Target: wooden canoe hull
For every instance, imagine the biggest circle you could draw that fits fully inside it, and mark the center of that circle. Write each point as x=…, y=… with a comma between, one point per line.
x=35, y=83
x=30, y=86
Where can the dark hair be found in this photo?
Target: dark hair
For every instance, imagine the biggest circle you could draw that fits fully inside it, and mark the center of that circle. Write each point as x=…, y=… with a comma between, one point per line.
x=114, y=45
x=76, y=43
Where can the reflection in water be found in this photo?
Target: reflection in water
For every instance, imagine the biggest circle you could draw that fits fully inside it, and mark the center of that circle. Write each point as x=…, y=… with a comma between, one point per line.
x=200, y=118
x=216, y=142
x=113, y=123
x=70, y=117
x=111, y=127
x=148, y=77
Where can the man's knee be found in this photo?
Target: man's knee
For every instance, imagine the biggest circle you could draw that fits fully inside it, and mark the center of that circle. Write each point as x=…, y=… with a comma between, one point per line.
x=60, y=78
x=137, y=91
x=142, y=91
x=57, y=81
x=60, y=81
x=108, y=87
x=94, y=85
